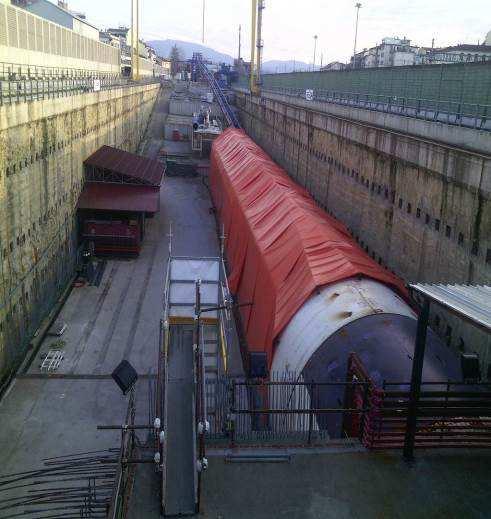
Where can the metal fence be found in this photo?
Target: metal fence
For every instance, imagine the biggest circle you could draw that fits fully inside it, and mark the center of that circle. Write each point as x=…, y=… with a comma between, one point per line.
x=449, y=414
x=281, y=410
x=469, y=115
x=21, y=90
x=286, y=410
x=9, y=70
x=462, y=89
x=125, y=471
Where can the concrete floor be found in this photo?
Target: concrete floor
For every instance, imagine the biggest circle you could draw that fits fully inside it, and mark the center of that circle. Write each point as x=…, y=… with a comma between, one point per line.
x=351, y=485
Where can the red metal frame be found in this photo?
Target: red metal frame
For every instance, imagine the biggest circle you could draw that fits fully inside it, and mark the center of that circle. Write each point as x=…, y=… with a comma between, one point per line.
x=457, y=416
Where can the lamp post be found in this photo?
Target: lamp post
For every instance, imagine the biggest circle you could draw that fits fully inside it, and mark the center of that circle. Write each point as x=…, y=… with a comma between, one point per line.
x=357, y=5
x=315, y=49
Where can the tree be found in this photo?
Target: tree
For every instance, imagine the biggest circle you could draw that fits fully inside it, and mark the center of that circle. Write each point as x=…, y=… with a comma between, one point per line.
x=175, y=58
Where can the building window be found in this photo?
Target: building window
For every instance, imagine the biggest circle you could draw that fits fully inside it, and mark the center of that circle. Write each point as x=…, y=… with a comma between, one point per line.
x=437, y=225
x=437, y=321
x=461, y=239
x=400, y=203
x=448, y=231
x=408, y=208
x=475, y=248
x=418, y=212
x=427, y=219
x=488, y=256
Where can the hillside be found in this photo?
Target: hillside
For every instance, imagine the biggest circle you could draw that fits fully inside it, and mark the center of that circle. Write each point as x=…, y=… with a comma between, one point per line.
x=163, y=48
x=284, y=66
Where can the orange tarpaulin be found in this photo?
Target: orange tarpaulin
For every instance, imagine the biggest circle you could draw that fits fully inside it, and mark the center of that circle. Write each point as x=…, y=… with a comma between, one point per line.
x=280, y=245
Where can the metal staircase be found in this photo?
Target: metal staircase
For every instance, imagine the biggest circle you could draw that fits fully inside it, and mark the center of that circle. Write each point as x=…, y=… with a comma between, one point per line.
x=193, y=356
x=220, y=97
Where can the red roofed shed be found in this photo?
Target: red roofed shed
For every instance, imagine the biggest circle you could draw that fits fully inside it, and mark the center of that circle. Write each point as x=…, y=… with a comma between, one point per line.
x=121, y=189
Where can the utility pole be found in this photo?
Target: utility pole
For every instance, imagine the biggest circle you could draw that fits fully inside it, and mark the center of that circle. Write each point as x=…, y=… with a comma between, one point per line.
x=240, y=29
x=358, y=5
x=138, y=40
x=135, y=55
x=322, y=58
x=252, y=78
x=259, y=43
x=132, y=43
x=315, y=49
x=203, y=27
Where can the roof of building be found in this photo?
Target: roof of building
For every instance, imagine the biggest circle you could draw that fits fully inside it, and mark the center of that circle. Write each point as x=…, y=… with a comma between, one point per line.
x=75, y=15
x=465, y=48
x=100, y=196
x=127, y=167
x=472, y=302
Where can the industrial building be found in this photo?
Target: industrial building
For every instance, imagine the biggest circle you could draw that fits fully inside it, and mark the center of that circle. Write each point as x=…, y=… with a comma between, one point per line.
x=43, y=38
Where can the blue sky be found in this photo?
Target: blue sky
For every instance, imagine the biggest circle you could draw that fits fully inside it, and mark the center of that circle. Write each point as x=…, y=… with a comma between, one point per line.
x=289, y=25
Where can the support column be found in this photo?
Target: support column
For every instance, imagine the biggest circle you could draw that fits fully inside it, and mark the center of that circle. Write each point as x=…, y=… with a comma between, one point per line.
x=416, y=375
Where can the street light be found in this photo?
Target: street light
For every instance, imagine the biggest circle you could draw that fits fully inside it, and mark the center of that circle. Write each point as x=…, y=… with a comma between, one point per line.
x=358, y=5
x=315, y=48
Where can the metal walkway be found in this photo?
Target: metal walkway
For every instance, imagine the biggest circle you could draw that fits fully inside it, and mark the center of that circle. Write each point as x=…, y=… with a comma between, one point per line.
x=180, y=467
x=191, y=337
x=221, y=99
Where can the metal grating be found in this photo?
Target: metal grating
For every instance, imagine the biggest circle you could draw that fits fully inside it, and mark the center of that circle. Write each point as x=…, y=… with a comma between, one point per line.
x=46, y=38
x=12, y=27
x=22, y=21
x=31, y=33
x=468, y=301
x=3, y=26
x=39, y=35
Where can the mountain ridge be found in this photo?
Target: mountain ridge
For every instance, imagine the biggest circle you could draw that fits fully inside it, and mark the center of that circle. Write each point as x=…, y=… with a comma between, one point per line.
x=188, y=48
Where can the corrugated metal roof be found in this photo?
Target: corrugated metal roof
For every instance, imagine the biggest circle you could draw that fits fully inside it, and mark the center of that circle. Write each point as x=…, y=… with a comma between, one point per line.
x=472, y=302
x=119, y=197
x=139, y=168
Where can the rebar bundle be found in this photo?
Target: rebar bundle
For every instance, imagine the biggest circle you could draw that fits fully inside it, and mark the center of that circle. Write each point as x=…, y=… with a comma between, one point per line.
x=76, y=485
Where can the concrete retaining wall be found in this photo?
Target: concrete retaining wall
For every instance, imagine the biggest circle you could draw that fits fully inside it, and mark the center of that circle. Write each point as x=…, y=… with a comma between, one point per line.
x=42, y=147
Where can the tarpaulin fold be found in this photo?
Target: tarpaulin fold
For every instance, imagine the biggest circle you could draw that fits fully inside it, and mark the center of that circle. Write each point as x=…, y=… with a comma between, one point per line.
x=280, y=245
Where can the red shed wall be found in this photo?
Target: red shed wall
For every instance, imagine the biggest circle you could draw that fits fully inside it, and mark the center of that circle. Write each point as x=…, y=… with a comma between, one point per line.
x=280, y=245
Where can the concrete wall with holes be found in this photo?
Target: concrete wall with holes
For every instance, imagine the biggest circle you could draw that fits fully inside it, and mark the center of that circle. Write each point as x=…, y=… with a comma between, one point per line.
x=42, y=147
x=420, y=207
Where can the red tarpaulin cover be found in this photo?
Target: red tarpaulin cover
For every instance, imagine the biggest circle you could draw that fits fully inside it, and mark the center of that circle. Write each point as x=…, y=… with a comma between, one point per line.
x=280, y=245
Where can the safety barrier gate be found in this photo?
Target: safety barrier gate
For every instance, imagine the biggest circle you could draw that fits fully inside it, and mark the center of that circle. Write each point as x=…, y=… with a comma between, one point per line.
x=449, y=414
